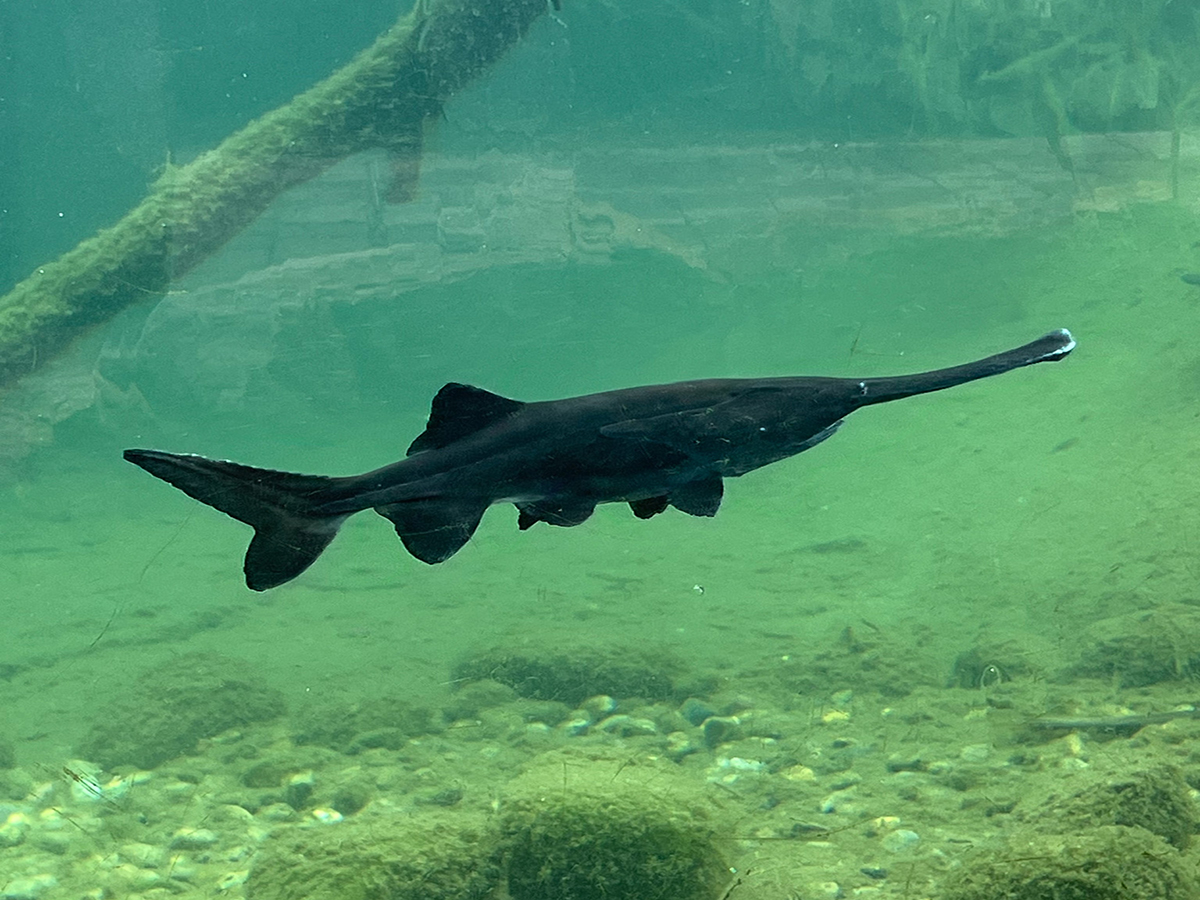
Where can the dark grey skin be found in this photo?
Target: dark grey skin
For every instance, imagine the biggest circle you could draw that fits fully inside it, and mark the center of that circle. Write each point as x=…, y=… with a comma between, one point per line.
x=651, y=447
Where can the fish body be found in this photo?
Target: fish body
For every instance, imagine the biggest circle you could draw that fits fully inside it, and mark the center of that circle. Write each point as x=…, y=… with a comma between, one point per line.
x=651, y=447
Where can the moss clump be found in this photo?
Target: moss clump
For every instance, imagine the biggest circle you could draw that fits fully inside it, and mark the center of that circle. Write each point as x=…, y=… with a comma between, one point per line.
x=578, y=829
x=377, y=722
x=1156, y=798
x=433, y=856
x=572, y=678
x=1150, y=646
x=173, y=706
x=1109, y=863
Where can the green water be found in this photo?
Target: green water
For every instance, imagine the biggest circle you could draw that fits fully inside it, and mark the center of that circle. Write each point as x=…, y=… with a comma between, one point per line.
x=884, y=614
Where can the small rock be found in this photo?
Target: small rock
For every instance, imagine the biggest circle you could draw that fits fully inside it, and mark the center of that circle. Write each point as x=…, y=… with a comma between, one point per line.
x=627, y=726
x=55, y=842
x=144, y=856
x=446, y=797
x=276, y=812
x=845, y=780
x=976, y=753
x=680, y=745
x=721, y=730
x=599, y=706
x=696, y=711
x=298, y=789
x=905, y=763
x=193, y=839
x=30, y=888
x=183, y=870
x=575, y=725
x=902, y=840
x=230, y=880
x=14, y=830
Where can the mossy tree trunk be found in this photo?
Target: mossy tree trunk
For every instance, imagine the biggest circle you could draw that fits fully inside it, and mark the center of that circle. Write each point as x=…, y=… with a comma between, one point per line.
x=380, y=99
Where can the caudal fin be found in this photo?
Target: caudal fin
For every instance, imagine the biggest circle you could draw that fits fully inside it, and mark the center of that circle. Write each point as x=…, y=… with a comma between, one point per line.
x=1048, y=348
x=287, y=537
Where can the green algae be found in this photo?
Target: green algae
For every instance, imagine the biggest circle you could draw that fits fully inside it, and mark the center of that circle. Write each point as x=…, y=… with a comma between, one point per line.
x=433, y=856
x=173, y=706
x=573, y=677
x=607, y=829
x=1110, y=863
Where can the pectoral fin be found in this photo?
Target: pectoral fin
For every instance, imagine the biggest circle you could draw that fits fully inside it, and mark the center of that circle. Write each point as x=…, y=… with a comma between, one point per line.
x=563, y=513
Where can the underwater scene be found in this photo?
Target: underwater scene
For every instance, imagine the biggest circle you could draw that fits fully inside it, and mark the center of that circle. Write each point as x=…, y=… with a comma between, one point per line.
x=428, y=470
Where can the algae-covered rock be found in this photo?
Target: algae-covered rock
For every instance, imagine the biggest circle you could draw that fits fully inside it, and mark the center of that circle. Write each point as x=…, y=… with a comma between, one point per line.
x=386, y=722
x=1150, y=646
x=1154, y=797
x=173, y=706
x=431, y=856
x=1109, y=863
x=609, y=829
x=573, y=677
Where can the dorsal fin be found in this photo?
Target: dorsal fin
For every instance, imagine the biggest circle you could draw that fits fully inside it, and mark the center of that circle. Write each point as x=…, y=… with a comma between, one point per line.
x=459, y=410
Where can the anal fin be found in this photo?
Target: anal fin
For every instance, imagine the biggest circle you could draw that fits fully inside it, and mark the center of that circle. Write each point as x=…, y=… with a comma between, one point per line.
x=701, y=497
x=433, y=530
x=650, y=506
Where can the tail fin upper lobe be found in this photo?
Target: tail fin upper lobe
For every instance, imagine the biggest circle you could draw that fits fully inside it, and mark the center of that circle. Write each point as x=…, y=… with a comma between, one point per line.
x=287, y=537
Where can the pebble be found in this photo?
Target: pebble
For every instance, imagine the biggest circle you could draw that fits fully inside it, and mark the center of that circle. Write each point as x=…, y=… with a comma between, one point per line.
x=902, y=840
x=55, y=842
x=845, y=780
x=14, y=830
x=575, y=725
x=298, y=789
x=905, y=763
x=230, y=880
x=183, y=870
x=132, y=878
x=696, y=711
x=145, y=856
x=799, y=773
x=721, y=729
x=833, y=802
x=975, y=753
x=627, y=726
x=729, y=769
x=599, y=706
x=29, y=888
x=277, y=812
x=193, y=839
x=680, y=745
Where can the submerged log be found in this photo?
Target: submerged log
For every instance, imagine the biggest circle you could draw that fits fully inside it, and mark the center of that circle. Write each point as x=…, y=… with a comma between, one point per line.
x=382, y=98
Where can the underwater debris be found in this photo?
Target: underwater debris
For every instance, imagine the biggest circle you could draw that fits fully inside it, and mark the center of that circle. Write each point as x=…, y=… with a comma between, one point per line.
x=382, y=98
